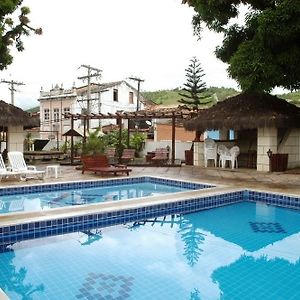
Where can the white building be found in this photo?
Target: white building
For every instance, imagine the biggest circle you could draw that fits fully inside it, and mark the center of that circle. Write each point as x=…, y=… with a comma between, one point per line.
x=98, y=98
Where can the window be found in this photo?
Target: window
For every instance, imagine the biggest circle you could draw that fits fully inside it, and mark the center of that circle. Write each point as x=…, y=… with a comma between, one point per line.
x=115, y=96
x=46, y=114
x=66, y=111
x=56, y=114
x=130, y=97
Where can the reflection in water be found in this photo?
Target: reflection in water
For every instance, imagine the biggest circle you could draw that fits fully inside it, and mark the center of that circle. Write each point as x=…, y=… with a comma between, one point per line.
x=193, y=239
x=90, y=236
x=13, y=280
x=195, y=295
x=213, y=254
x=254, y=276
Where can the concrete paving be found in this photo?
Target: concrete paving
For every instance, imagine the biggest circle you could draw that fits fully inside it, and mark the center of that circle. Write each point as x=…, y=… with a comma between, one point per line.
x=283, y=182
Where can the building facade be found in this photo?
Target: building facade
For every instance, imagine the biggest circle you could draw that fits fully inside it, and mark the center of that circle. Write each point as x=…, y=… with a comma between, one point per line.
x=97, y=98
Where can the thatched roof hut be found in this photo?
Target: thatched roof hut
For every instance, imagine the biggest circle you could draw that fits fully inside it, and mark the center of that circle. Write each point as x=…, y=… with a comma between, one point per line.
x=247, y=111
x=11, y=115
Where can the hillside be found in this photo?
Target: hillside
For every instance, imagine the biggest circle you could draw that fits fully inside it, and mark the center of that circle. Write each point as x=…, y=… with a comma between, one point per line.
x=171, y=97
x=293, y=97
x=33, y=109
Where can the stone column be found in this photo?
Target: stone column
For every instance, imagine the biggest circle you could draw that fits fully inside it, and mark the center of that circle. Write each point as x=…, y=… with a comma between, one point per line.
x=16, y=136
x=266, y=139
x=199, y=154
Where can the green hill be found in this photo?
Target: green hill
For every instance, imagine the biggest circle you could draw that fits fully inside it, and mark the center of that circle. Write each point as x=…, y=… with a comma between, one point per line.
x=293, y=97
x=33, y=109
x=171, y=97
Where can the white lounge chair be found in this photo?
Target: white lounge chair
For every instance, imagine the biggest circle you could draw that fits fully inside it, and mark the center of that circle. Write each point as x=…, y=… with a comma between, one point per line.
x=6, y=171
x=210, y=151
x=18, y=164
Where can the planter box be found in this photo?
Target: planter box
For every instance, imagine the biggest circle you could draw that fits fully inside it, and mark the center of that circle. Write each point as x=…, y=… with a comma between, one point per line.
x=189, y=157
x=278, y=162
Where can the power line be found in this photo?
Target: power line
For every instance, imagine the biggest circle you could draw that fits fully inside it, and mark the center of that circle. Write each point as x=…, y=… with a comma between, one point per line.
x=12, y=89
x=139, y=80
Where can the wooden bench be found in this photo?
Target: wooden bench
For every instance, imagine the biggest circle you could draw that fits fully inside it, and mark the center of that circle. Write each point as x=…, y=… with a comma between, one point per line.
x=161, y=156
x=128, y=155
x=100, y=164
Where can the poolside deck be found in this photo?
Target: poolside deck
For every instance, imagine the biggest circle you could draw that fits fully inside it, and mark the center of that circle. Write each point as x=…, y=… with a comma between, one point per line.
x=282, y=182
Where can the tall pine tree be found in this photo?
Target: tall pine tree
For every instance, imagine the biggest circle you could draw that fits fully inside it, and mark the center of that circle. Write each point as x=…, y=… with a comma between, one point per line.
x=194, y=89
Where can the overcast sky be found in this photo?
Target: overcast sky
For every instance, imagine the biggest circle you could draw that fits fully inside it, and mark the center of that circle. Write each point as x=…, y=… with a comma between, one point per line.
x=150, y=39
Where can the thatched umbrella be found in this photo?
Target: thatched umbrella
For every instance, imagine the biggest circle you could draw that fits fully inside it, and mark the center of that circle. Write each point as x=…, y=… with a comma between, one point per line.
x=11, y=115
x=247, y=111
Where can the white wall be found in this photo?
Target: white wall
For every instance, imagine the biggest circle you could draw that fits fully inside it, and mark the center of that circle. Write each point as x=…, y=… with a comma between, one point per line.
x=292, y=147
x=180, y=147
x=16, y=136
x=105, y=103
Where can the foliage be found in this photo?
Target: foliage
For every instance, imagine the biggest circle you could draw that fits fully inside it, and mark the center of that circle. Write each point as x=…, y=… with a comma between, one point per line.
x=263, y=51
x=137, y=142
x=28, y=142
x=194, y=91
x=112, y=139
x=165, y=97
x=11, y=32
x=65, y=147
x=33, y=109
x=292, y=97
x=171, y=97
x=94, y=144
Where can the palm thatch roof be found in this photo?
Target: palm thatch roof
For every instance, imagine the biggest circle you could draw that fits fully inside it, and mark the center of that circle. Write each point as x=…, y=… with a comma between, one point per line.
x=11, y=115
x=247, y=111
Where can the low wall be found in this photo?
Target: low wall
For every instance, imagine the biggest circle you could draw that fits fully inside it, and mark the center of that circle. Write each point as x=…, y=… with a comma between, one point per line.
x=180, y=147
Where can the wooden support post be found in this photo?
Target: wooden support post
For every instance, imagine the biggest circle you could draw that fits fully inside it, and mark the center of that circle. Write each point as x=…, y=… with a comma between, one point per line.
x=173, y=141
x=120, y=139
x=72, y=141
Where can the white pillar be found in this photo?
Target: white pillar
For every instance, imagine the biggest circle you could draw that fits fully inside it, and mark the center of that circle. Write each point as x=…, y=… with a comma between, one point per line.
x=266, y=139
x=199, y=154
x=16, y=136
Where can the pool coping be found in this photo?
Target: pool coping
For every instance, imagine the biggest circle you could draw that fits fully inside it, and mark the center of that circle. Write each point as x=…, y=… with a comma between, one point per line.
x=3, y=296
x=17, y=218
x=27, y=225
x=105, y=207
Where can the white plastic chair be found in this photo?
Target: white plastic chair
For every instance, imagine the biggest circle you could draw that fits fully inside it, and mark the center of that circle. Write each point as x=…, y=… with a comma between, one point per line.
x=210, y=151
x=231, y=156
x=222, y=151
x=18, y=164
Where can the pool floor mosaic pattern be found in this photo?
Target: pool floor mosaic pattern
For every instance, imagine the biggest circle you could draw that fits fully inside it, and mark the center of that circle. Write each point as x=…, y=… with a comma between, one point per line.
x=213, y=254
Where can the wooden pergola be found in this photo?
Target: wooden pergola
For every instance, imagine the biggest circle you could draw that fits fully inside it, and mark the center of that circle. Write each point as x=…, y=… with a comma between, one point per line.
x=178, y=113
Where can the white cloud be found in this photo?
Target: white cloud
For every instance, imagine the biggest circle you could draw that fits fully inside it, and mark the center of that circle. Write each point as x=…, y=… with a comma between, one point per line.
x=150, y=39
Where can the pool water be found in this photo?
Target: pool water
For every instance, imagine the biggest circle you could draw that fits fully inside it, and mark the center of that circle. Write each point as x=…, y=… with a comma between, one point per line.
x=48, y=200
x=241, y=251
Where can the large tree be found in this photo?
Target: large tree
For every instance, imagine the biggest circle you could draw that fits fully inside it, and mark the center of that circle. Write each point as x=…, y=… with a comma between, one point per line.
x=12, y=29
x=194, y=89
x=262, y=51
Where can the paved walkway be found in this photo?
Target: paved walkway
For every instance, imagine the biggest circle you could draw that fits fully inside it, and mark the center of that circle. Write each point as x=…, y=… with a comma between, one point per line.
x=288, y=182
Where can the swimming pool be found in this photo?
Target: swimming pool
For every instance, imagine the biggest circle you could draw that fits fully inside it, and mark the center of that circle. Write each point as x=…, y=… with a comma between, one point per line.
x=247, y=250
x=45, y=197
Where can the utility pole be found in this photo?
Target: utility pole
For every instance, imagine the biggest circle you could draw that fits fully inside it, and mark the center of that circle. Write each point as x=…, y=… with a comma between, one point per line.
x=139, y=80
x=99, y=106
x=97, y=73
x=12, y=89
